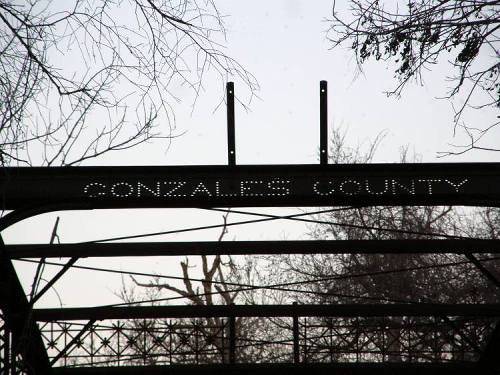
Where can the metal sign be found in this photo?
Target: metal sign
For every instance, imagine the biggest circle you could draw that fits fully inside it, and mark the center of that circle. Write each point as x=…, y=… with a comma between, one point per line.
x=252, y=185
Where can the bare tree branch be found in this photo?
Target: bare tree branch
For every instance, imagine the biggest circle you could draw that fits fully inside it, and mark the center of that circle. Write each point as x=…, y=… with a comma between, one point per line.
x=79, y=79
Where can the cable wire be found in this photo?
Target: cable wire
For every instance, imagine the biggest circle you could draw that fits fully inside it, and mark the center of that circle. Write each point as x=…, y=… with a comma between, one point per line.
x=347, y=225
x=277, y=287
x=214, y=226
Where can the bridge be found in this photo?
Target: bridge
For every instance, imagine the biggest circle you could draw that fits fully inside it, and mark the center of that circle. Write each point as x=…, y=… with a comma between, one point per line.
x=410, y=337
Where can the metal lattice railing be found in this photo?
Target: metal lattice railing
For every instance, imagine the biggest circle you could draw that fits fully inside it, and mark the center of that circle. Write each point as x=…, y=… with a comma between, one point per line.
x=264, y=340
x=11, y=363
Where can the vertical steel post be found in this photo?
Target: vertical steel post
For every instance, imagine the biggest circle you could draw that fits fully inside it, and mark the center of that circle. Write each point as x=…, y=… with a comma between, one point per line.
x=487, y=360
x=13, y=361
x=224, y=346
x=170, y=338
x=323, y=122
x=231, y=149
x=296, y=351
x=196, y=343
x=305, y=341
x=6, y=349
x=232, y=340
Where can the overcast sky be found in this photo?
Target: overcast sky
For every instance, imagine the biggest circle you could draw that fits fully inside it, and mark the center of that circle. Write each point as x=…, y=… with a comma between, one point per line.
x=283, y=44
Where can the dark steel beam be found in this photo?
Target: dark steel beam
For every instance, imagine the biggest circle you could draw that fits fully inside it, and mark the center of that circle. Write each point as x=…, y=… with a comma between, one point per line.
x=296, y=340
x=488, y=361
x=231, y=148
x=5, y=337
x=84, y=250
x=54, y=279
x=491, y=278
x=473, y=344
x=26, y=337
x=39, y=267
x=232, y=339
x=345, y=310
x=252, y=185
x=73, y=341
x=407, y=368
x=323, y=122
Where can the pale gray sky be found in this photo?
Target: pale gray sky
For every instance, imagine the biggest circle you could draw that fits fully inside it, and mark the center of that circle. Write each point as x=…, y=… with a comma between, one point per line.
x=282, y=43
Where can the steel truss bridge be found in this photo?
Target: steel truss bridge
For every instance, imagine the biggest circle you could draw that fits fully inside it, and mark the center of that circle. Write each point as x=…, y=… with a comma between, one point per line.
x=338, y=339
x=383, y=338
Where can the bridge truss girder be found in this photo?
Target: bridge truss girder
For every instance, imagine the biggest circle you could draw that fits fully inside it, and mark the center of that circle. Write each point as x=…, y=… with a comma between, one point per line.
x=36, y=190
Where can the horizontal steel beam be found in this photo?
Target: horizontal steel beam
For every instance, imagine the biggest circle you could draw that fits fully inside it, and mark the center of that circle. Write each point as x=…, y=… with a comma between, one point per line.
x=188, y=311
x=252, y=185
x=252, y=247
x=407, y=368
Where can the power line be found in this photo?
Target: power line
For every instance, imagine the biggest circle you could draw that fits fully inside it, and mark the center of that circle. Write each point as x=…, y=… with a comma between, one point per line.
x=268, y=217
x=347, y=225
x=337, y=277
x=214, y=226
x=277, y=287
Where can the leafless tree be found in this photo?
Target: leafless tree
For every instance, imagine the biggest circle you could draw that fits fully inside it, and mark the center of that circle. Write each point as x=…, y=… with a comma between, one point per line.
x=81, y=78
x=214, y=290
x=386, y=278
x=221, y=283
x=415, y=35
